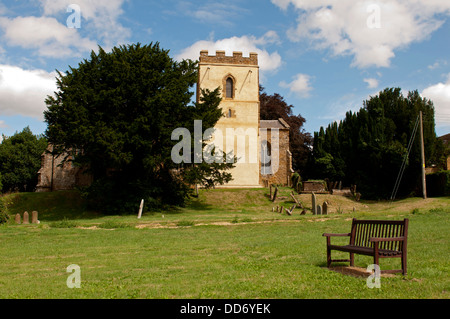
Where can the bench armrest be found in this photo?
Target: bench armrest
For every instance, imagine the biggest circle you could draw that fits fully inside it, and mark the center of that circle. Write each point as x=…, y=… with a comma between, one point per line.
x=336, y=235
x=376, y=239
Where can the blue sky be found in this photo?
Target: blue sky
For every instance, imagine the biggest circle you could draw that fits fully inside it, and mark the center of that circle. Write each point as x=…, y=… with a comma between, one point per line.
x=324, y=56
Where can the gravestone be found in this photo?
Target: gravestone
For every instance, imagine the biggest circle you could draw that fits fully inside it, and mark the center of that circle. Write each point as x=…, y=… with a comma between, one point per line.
x=319, y=210
x=275, y=194
x=299, y=204
x=313, y=200
x=34, y=217
x=141, y=206
x=325, y=208
x=26, y=218
x=290, y=211
x=17, y=219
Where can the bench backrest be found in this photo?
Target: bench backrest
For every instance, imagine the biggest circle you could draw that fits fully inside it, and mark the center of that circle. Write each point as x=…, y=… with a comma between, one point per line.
x=363, y=230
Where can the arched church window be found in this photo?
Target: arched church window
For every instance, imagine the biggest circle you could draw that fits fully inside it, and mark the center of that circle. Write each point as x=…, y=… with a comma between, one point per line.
x=229, y=88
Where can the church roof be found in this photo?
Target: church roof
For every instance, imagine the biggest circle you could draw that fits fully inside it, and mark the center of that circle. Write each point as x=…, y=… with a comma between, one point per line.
x=279, y=124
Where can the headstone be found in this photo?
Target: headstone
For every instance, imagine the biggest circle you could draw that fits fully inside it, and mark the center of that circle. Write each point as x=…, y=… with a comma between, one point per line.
x=17, y=219
x=325, y=208
x=140, y=209
x=26, y=218
x=319, y=210
x=290, y=211
x=313, y=200
x=34, y=217
x=275, y=194
x=295, y=199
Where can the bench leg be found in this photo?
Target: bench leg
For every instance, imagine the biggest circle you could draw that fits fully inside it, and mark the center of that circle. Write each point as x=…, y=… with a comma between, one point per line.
x=404, y=270
x=328, y=257
x=352, y=259
x=376, y=260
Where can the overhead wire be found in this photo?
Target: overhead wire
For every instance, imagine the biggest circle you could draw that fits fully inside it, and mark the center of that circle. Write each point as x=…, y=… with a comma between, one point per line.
x=403, y=166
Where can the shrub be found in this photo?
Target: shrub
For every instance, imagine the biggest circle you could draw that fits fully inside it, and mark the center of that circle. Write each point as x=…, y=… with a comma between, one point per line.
x=4, y=216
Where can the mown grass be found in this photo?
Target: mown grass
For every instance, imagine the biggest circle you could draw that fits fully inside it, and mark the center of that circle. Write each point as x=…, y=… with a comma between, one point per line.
x=226, y=244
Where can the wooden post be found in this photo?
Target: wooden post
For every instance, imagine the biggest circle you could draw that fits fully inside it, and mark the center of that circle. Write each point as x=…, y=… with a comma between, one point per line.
x=422, y=149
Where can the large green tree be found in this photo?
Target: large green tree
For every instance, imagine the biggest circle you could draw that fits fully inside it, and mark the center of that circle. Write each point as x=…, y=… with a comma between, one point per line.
x=118, y=110
x=20, y=160
x=367, y=147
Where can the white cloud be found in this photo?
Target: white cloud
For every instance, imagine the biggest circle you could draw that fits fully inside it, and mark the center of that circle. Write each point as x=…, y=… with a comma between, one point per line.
x=101, y=17
x=23, y=92
x=440, y=95
x=49, y=37
x=350, y=27
x=300, y=85
x=371, y=83
x=246, y=44
x=437, y=64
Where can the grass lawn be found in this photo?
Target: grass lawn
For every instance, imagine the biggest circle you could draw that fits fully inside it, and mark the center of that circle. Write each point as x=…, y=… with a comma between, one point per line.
x=226, y=244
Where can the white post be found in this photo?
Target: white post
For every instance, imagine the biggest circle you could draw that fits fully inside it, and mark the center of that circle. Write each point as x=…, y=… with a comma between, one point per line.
x=140, y=209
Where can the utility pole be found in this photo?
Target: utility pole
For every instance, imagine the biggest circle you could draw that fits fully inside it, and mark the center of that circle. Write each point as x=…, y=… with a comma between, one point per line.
x=422, y=151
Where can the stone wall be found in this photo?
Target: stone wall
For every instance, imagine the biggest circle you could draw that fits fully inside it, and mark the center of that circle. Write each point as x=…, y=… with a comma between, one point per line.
x=56, y=173
x=281, y=157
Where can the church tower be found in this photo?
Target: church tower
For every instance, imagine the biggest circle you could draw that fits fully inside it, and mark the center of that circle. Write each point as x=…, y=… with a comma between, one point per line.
x=238, y=130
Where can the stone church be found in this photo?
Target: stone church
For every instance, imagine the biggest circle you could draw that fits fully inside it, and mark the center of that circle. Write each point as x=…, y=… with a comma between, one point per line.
x=262, y=147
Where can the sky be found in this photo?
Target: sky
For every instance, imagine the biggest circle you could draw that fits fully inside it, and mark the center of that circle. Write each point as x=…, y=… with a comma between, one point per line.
x=325, y=57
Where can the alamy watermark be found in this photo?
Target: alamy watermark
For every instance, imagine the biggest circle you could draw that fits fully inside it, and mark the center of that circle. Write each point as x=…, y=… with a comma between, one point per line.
x=74, y=20
x=74, y=280
x=374, y=19
x=242, y=143
x=374, y=280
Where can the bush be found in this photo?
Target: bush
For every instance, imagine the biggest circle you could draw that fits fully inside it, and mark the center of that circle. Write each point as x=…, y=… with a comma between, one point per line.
x=4, y=216
x=296, y=180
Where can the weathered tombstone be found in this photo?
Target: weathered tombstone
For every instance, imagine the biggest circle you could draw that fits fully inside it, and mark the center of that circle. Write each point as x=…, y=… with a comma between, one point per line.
x=325, y=208
x=313, y=200
x=295, y=200
x=26, y=218
x=17, y=219
x=319, y=210
x=275, y=194
x=34, y=217
x=140, y=209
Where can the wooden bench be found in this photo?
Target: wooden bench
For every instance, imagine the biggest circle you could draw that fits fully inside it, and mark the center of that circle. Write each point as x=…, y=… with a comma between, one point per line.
x=377, y=238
